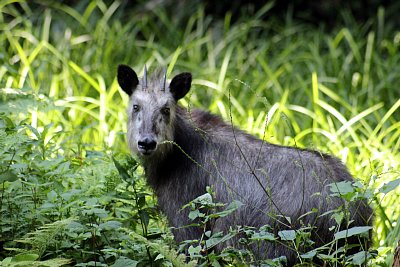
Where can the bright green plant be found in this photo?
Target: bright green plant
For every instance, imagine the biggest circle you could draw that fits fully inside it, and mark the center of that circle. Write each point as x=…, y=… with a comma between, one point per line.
x=286, y=81
x=204, y=212
x=60, y=207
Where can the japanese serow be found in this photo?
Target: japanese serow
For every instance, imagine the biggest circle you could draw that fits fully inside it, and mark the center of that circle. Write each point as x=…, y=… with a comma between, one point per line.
x=185, y=151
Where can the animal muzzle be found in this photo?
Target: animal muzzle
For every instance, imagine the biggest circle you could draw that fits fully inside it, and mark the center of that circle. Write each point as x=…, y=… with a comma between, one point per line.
x=147, y=145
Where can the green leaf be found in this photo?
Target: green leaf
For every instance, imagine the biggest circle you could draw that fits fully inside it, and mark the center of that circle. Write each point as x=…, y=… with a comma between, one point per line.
x=8, y=123
x=287, y=235
x=195, y=214
x=207, y=233
x=342, y=188
x=263, y=236
x=34, y=131
x=75, y=227
x=67, y=196
x=121, y=170
x=193, y=251
x=234, y=205
x=52, y=196
x=325, y=257
x=159, y=257
x=204, y=199
x=215, y=263
x=390, y=186
x=359, y=258
x=6, y=261
x=144, y=216
x=338, y=217
x=110, y=225
x=26, y=257
x=8, y=176
x=309, y=255
x=352, y=231
x=218, y=238
x=124, y=262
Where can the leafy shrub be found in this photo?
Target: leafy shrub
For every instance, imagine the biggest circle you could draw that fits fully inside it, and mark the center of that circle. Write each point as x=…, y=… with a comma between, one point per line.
x=56, y=203
x=204, y=211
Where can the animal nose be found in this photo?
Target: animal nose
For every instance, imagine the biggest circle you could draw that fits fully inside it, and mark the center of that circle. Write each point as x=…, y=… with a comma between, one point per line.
x=147, y=144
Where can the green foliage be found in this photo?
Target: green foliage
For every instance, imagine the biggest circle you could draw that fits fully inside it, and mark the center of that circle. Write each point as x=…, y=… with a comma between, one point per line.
x=62, y=122
x=37, y=242
x=59, y=207
x=204, y=213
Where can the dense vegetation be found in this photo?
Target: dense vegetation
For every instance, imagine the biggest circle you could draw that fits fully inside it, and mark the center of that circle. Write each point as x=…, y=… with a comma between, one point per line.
x=69, y=191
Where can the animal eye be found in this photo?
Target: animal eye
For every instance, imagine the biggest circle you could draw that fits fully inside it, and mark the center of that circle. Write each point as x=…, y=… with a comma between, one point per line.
x=136, y=108
x=165, y=111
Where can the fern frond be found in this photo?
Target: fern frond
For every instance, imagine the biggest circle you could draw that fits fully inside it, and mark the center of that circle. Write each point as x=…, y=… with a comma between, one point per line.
x=168, y=253
x=47, y=263
x=39, y=240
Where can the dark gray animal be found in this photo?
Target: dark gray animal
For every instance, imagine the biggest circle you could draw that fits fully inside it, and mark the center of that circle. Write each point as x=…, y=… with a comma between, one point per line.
x=270, y=180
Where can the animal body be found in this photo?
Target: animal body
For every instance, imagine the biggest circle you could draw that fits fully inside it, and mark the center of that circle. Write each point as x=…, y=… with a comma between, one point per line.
x=184, y=151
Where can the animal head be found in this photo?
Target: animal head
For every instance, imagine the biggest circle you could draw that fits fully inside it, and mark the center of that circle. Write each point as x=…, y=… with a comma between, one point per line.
x=152, y=109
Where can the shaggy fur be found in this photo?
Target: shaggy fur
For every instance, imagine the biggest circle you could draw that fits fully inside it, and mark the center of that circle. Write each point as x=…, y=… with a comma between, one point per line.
x=272, y=181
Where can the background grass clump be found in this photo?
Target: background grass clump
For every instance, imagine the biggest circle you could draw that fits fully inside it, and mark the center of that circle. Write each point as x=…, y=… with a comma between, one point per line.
x=63, y=152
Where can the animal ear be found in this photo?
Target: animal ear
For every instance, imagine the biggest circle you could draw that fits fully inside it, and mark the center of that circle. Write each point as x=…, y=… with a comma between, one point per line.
x=180, y=85
x=127, y=79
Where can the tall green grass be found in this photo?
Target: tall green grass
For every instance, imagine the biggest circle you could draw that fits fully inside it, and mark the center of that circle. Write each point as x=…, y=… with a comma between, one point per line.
x=294, y=83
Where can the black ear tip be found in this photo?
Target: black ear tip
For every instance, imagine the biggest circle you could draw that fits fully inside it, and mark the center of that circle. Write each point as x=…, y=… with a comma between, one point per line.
x=187, y=75
x=127, y=78
x=125, y=72
x=122, y=68
x=183, y=78
x=180, y=85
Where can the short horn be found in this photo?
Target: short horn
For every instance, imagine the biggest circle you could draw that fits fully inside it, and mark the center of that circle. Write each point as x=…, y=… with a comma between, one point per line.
x=145, y=76
x=165, y=78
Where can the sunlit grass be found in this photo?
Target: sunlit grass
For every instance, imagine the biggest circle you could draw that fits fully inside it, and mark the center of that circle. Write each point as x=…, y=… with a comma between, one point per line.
x=293, y=83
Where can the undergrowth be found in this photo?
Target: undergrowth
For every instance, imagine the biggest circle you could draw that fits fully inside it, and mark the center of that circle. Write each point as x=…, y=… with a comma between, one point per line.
x=63, y=152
